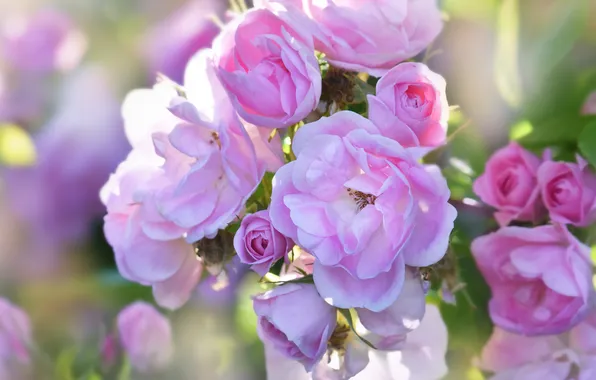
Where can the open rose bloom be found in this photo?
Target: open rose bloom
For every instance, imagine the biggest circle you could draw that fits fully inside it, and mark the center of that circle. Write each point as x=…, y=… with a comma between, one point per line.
x=363, y=206
x=540, y=278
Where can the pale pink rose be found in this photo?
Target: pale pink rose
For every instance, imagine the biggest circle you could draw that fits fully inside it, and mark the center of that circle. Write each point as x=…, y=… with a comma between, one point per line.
x=170, y=45
x=589, y=106
x=540, y=278
x=363, y=206
x=568, y=191
x=509, y=184
x=258, y=244
x=148, y=248
x=296, y=321
x=209, y=162
x=371, y=36
x=145, y=336
x=41, y=42
x=411, y=106
x=565, y=356
x=268, y=68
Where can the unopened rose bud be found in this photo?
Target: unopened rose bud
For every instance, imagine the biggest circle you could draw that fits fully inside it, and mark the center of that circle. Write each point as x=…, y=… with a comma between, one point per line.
x=146, y=336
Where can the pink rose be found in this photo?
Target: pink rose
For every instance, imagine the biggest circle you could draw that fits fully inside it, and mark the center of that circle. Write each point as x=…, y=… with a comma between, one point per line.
x=296, y=321
x=363, y=206
x=41, y=42
x=540, y=278
x=569, y=355
x=370, y=36
x=146, y=337
x=258, y=244
x=148, y=248
x=268, y=68
x=589, y=107
x=568, y=191
x=509, y=184
x=410, y=106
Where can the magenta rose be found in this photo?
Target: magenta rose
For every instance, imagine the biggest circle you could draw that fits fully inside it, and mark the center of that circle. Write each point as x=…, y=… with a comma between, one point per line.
x=411, y=106
x=258, y=244
x=509, y=184
x=568, y=191
x=372, y=35
x=540, y=278
x=268, y=68
x=296, y=321
x=363, y=206
x=146, y=337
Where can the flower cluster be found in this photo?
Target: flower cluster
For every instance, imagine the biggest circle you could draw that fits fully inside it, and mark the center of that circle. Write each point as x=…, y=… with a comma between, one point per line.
x=540, y=276
x=351, y=211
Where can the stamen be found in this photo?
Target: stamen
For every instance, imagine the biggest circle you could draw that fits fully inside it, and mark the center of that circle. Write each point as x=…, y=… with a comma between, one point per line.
x=362, y=199
x=339, y=338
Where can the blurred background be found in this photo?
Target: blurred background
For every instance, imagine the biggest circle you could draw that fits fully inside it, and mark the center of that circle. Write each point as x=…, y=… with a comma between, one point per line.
x=515, y=69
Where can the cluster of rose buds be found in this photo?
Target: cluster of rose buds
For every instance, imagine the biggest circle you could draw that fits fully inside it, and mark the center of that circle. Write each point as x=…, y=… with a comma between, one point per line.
x=541, y=275
x=339, y=231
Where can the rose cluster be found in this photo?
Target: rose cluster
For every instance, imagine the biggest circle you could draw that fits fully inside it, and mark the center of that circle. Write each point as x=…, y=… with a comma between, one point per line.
x=339, y=231
x=540, y=275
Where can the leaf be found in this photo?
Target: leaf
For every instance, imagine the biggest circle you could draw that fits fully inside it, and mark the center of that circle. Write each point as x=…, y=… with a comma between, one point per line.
x=587, y=143
x=559, y=38
x=347, y=314
x=506, y=75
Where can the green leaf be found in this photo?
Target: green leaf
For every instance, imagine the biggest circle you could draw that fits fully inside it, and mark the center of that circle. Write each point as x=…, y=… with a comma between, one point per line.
x=507, y=76
x=347, y=314
x=587, y=142
x=277, y=267
x=559, y=37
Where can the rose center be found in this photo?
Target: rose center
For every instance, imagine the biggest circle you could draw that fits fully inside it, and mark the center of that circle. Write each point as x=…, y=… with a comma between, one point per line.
x=561, y=192
x=215, y=139
x=414, y=97
x=508, y=182
x=362, y=199
x=340, y=337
